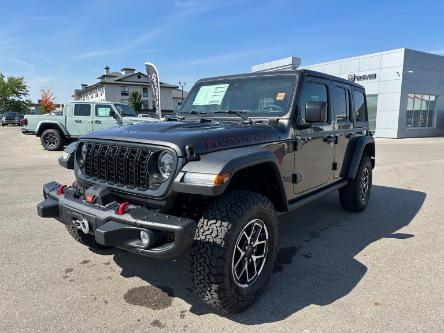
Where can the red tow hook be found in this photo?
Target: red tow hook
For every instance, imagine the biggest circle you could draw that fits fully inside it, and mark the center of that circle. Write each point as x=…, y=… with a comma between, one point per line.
x=121, y=208
x=61, y=189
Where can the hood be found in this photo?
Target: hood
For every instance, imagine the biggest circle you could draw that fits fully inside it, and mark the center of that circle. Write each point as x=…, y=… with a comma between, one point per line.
x=203, y=137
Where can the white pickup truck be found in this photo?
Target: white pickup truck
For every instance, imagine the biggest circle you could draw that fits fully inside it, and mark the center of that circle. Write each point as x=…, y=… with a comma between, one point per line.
x=79, y=118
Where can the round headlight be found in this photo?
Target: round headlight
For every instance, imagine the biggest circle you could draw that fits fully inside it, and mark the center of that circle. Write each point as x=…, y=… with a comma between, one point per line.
x=82, y=159
x=165, y=164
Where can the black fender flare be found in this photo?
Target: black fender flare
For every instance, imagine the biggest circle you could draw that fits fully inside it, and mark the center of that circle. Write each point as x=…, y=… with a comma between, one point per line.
x=228, y=161
x=356, y=148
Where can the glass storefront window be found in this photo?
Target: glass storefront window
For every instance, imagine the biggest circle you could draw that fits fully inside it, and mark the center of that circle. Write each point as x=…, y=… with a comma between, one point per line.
x=420, y=110
x=372, y=107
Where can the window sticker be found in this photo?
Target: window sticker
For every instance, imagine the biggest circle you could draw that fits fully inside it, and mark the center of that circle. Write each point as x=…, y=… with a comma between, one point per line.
x=103, y=111
x=280, y=96
x=208, y=95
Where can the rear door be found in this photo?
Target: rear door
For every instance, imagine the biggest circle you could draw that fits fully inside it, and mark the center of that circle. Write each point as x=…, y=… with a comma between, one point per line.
x=79, y=120
x=343, y=123
x=314, y=154
x=102, y=117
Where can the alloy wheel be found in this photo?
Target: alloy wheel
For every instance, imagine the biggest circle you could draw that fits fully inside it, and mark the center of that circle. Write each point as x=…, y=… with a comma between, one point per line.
x=50, y=140
x=250, y=253
x=365, y=183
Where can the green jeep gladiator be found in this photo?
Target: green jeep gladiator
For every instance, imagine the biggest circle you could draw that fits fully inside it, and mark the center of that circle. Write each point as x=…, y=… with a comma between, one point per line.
x=78, y=118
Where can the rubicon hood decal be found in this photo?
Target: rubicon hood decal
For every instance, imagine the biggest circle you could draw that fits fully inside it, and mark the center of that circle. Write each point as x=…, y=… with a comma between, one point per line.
x=203, y=137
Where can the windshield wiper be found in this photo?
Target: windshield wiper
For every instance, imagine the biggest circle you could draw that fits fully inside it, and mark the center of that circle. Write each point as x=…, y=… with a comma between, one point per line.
x=240, y=113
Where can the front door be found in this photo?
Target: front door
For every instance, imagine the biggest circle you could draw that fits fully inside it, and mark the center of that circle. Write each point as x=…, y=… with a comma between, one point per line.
x=79, y=119
x=102, y=117
x=314, y=154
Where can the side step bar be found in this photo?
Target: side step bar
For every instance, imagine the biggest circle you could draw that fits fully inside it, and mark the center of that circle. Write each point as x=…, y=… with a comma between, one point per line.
x=316, y=195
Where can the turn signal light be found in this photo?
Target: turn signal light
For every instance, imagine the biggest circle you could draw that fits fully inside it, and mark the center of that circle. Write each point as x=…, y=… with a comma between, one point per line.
x=206, y=179
x=222, y=179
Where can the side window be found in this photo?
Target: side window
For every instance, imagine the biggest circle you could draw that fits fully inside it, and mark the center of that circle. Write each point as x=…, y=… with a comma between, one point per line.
x=360, y=108
x=341, y=104
x=82, y=110
x=103, y=110
x=313, y=92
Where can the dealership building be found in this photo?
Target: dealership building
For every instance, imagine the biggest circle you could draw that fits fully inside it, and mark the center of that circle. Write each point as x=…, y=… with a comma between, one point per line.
x=404, y=88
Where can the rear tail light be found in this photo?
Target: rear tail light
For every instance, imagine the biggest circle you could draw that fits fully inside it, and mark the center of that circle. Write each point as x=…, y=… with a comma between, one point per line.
x=25, y=122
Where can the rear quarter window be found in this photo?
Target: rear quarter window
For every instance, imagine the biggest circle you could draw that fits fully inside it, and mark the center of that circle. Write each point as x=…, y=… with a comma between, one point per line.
x=360, y=108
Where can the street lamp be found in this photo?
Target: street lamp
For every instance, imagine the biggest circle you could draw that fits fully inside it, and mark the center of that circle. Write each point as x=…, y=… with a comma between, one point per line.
x=182, y=84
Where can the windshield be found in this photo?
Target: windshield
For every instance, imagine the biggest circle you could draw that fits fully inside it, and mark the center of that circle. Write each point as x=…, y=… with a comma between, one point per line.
x=254, y=96
x=125, y=110
x=10, y=114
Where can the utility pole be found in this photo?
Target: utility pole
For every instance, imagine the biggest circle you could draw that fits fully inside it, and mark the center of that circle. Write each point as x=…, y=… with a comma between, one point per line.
x=182, y=85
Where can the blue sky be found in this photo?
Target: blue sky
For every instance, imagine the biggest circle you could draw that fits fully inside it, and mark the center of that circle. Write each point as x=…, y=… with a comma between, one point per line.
x=61, y=44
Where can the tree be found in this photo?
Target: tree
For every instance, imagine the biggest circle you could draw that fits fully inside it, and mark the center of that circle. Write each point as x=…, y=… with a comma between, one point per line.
x=13, y=92
x=135, y=101
x=46, y=104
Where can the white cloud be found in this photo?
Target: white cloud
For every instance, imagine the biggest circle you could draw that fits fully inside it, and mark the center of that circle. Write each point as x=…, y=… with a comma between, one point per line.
x=185, y=3
x=440, y=51
x=218, y=59
x=188, y=9
x=14, y=66
x=7, y=43
x=97, y=53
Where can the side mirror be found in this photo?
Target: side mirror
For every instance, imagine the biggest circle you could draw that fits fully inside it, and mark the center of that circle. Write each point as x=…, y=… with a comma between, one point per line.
x=315, y=112
x=113, y=114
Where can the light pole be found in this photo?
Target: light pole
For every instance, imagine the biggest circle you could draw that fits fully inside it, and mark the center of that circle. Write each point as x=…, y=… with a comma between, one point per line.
x=182, y=84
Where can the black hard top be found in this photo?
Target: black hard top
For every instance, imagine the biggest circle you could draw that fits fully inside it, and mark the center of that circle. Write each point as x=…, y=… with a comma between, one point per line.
x=298, y=72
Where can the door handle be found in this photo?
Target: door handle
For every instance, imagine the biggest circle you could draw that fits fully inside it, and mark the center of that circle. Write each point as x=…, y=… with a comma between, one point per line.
x=97, y=122
x=78, y=121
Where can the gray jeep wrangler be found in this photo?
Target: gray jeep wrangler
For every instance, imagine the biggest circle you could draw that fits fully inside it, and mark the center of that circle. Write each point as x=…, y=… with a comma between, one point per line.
x=211, y=179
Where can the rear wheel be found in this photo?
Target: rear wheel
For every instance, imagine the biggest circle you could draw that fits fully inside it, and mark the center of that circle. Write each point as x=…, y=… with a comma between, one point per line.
x=355, y=196
x=234, y=250
x=52, y=139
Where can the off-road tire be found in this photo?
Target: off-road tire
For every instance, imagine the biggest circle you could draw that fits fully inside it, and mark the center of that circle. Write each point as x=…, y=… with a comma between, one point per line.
x=350, y=196
x=56, y=142
x=211, y=254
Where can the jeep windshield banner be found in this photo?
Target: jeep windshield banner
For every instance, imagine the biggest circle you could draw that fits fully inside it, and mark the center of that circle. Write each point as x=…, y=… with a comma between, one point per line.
x=153, y=80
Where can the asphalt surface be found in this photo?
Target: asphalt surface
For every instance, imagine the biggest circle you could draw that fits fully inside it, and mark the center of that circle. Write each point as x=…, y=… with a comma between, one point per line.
x=378, y=271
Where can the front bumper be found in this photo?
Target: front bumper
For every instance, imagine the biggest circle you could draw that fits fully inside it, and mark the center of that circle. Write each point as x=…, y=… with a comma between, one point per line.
x=10, y=122
x=169, y=235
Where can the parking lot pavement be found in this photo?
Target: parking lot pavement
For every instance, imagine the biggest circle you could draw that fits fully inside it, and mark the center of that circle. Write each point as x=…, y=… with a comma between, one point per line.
x=378, y=271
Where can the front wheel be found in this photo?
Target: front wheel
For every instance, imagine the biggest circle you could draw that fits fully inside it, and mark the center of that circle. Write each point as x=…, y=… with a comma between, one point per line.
x=234, y=250
x=52, y=139
x=355, y=196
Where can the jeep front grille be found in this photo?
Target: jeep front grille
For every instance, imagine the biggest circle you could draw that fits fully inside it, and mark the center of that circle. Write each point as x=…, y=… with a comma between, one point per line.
x=123, y=166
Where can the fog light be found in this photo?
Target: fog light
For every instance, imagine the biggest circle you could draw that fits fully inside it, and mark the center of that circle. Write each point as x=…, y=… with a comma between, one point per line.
x=145, y=238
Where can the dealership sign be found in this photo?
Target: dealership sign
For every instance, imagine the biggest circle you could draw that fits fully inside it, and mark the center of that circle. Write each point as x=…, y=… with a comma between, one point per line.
x=363, y=77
